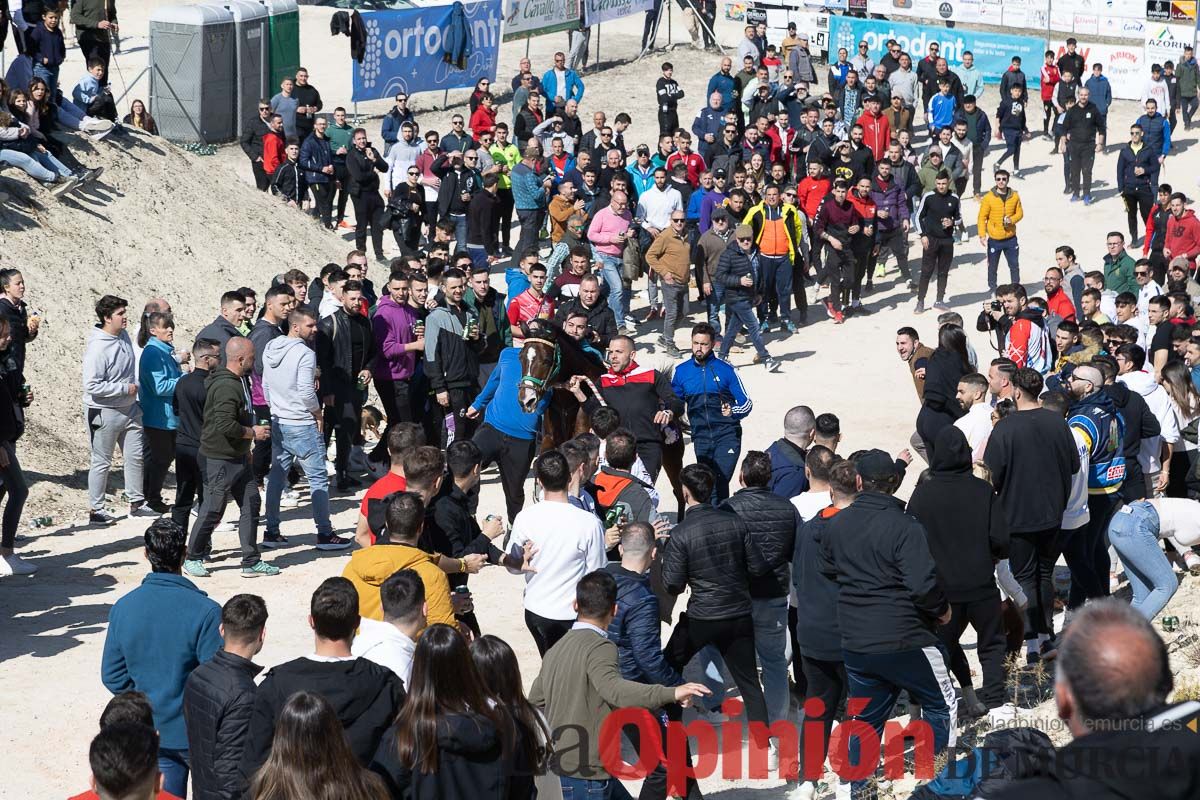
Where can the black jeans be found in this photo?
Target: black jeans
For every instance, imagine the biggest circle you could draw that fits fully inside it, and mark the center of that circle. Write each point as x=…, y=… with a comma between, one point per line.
x=654, y=786
x=734, y=639
x=323, y=196
x=513, y=457
x=344, y=418
x=189, y=483
x=897, y=242
x=160, y=452
x=260, y=452
x=342, y=177
x=16, y=489
x=367, y=212
x=936, y=258
x=827, y=683
x=984, y=616
x=223, y=480
x=839, y=269
x=1031, y=555
x=463, y=428
x=546, y=632
x=1086, y=551
x=261, y=179
x=397, y=405
x=977, y=153
x=1137, y=209
x=651, y=455
x=1083, y=156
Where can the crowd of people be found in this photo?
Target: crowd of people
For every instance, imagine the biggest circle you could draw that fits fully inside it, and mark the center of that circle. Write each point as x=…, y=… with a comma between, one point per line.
x=808, y=581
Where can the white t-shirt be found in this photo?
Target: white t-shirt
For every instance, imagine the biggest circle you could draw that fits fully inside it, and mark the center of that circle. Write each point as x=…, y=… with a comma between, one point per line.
x=570, y=544
x=1076, y=515
x=1179, y=519
x=976, y=425
x=809, y=504
x=387, y=646
x=1145, y=295
x=1182, y=421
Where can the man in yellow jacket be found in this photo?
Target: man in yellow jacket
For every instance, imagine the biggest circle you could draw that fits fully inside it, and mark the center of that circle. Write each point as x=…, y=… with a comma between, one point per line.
x=778, y=231
x=999, y=212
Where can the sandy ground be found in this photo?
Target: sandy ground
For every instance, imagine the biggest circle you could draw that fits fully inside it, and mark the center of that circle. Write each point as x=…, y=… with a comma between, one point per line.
x=167, y=222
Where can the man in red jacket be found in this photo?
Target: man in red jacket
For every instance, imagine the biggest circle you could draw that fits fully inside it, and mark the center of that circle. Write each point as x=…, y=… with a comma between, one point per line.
x=274, y=146
x=1057, y=300
x=1183, y=232
x=877, y=131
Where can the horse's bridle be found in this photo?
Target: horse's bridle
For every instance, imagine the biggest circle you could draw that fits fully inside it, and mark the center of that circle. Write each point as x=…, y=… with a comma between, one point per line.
x=540, y=383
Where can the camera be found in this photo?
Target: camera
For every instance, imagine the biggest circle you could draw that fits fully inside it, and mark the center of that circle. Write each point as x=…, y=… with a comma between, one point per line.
x=995, y=305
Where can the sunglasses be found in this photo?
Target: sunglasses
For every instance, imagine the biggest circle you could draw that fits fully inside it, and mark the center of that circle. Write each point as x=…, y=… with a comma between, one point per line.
x=743, y=238
x=414, y=172
x=1140, y=274
x=680, y=221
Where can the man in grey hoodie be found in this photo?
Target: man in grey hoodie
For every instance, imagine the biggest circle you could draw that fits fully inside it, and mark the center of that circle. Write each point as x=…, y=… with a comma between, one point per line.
x=289, y=384
x=111, y=410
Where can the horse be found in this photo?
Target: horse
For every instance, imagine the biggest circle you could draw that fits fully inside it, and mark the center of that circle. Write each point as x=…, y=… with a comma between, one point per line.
x=549, y=359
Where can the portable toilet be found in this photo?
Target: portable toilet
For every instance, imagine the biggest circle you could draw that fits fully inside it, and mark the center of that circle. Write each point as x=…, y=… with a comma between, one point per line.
x=284, y=24
x=253, y=81
x=193, y=72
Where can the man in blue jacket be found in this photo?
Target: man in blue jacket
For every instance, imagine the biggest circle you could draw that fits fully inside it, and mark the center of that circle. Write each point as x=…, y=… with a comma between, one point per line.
x=716, y=405
x=636, y=631
x=789, y=453
x=561, y=82
x=1101, y=92
x=158, y=634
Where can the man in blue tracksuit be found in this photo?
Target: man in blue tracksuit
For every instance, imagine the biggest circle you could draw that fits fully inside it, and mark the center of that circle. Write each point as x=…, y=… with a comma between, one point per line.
x=1101, y=93
x=716, y=404
x=508, y=435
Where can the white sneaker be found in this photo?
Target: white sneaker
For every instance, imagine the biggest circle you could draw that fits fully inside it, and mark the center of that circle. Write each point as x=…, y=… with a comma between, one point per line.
x=772, y=757
x=15, y=565
x=95, y=125
x=227, y=527
x=289, y=499
x=805, y=791
x=1002, y=715
x=842, y=791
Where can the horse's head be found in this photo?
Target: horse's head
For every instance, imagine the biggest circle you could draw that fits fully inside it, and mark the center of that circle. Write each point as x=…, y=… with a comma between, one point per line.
x=540, y=363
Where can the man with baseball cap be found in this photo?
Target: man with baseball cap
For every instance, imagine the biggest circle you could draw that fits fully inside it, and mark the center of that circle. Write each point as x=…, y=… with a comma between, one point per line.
x=740, y=278
x=888, y=584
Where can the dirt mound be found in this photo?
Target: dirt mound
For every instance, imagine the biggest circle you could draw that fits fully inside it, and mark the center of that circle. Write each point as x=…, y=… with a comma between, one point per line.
x=159, y=221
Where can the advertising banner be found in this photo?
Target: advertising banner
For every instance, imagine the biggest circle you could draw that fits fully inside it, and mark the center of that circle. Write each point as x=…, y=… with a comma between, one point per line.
x=1171, y=10
x=1166, y=42
x=597, y=11
x=993, y=51
x=1125, y=66
x=406, y=50
x=525, y=18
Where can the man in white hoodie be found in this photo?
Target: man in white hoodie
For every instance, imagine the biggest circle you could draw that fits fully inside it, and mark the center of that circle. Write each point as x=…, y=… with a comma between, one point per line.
x=111, y=410
x=1155, y=451
x=290, y=387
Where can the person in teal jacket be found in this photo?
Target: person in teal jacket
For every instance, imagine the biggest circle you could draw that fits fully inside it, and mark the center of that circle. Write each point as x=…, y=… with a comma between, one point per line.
x=158, y=372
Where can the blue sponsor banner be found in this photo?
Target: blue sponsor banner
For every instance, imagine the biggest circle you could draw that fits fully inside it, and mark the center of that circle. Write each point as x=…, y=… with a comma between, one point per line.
x=404, y=51
x=993, y=51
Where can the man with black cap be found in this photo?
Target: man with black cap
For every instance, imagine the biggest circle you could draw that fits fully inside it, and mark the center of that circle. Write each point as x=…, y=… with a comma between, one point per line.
x=741, y=279
x=887, y=583
x=799, y=60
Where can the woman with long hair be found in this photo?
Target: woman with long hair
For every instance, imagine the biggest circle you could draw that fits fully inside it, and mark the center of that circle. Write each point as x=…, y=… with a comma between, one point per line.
x=139, y=117
x=1184, y=475
x=310, y=758
x=158, y=372
x=13, y=400
x=948, y=363
x=482, y=86
x=497, y=665
x=450, y=739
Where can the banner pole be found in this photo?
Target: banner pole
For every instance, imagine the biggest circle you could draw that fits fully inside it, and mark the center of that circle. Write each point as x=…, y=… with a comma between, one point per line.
x=527, y=38
x=597, y=45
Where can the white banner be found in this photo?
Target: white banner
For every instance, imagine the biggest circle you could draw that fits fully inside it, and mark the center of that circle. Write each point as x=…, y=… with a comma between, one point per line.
x=1125, y=66
x=523, y=18
x=1123, y=28
x=597, y=11
x=1166, y=42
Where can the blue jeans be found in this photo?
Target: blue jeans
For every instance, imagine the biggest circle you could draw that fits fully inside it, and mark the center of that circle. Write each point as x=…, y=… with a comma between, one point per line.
x=1133, y=532
x=48, y=74
x=610, y=273
x=738, y=313
x=174, y=766
x=583, y=789
x=303, y=444
x=460, y=229
x=478, y=254
x=777, y=272
x=1011, y=250
x=39, y=166
x=770, y=643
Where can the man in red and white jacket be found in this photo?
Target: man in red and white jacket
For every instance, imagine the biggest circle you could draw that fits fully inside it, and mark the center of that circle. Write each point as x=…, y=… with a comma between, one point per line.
x=530, y=304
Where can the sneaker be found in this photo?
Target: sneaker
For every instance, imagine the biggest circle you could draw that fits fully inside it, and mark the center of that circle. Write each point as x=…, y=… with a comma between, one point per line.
x=143, y=510
x=764, y=327
x=348, y=483
x=941, y=305
x=789, y=326
x=669, y=348
x=261, y=568
x=343, y=224
x=1087, y=200
x=838, y=317
x=64, y=186
x=772, y=757
x=227, y=527
x=1002, y=715
x=334, y=543
x=95, y=125
x=272, y=541
x=772, y=365
x=101, y=517
x=881, y=271
x=289, y=499
x=630, y=322
x=1074, y=197
x=194, y=568
x=965, y=237
x=830, y=310
x=1016, y=174
x=159, y=506
x=15, y=565
x=920, y=309
x=805, y=791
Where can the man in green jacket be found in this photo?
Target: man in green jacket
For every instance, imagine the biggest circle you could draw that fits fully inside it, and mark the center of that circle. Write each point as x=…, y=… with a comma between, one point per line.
x=1188, y=73
x=1118, y=265
x=225, y=436
x=580, y=684
x=96, y=26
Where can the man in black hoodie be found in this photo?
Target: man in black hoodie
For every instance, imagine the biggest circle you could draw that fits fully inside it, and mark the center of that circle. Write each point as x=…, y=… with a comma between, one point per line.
x=365, y=696
x=1032, y=457
x=218, y=701
x=967, y=533
x=225, y=326
x=188, y=403
x=889, y=602
x=346, y=352
x=1140, y=423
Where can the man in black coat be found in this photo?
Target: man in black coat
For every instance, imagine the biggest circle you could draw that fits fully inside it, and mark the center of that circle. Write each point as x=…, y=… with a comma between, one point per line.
x=188, y=404
x=218, y=701
x=967, y=534
x=363, y=162
x=252, y=144
x=346, y=351
x=365, y=696
x=772, y=522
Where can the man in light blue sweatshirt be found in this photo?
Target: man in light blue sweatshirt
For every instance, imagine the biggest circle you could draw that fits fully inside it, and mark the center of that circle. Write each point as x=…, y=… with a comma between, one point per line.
x=1101, y=92
x=289, y=386
x=111, y=409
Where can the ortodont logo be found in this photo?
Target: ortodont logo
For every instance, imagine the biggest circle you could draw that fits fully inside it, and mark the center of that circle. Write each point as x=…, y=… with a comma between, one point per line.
x=951, y=46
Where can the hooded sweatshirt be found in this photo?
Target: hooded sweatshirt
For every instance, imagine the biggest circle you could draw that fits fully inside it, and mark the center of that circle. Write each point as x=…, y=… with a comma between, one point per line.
x=1159, y=403
x=108, y=371
x=1103, y=429
x=370, y=567
x=470, y=763
x=965, y=526
x=288, y=381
